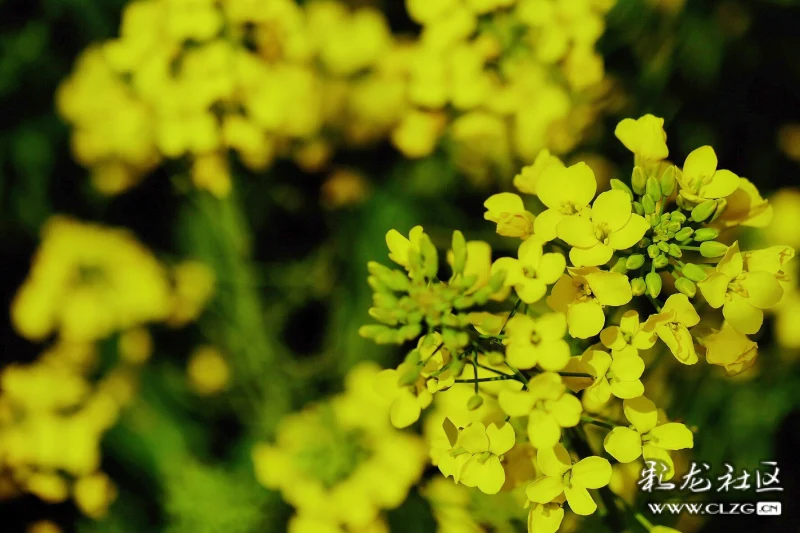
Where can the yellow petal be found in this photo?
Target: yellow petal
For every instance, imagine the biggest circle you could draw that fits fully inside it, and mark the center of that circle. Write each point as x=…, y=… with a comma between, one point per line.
x=398, y=247
x=598, y=361
x=612, y=210
x=552, y=326
x=585, y=319
x=544, y=226
x=626, y=389
x=662, y=458
x=672, y=436
x=551, y=268
x=513, y=269
x=492, y=476
x=685, y=312
x=702, y=162
x=501, y=439
x=732, y=263
x=577, y=231
x=530, y=252
x=516, y=403
x=473, y=438
x=612, y=338
x=543, y=430
x=627, y=367
x=680, y=342
x=563, y=294
x=545, y=489
x=641, y=412
x=580, y=501
x=714, y=288
x=610, y=288
x=631, y=233
x=545, y=518
x=623, y=444
x=743, y=316
x=764, y=290
x=567, y=411
x=553, y=461
x=505, y=202
x=575, y=185
x=554, y=355
x=723, y=184
x=644, y=136
x=597, y=255
x=530, y=290
x=591, y=472
x=405, y=409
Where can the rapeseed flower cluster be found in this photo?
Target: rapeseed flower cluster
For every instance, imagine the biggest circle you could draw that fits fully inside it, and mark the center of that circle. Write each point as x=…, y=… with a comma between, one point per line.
x=200, y=80
x=339, y=462
x=598, y=279
x=90, y=294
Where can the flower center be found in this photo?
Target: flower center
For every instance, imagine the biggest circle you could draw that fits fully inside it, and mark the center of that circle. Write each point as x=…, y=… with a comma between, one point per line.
x=601, y=232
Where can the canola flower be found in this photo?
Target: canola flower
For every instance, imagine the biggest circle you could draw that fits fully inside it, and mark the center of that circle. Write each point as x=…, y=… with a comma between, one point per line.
x=210, y=82
x=87, y=284
x=340, y=463
x=598, y=278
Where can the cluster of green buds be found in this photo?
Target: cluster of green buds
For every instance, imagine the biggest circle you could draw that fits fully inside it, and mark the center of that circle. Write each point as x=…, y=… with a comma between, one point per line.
x=410, y=302
x=673, y=233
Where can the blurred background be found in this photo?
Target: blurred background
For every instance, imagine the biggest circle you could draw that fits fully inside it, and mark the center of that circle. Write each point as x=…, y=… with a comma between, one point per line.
x=227, y=168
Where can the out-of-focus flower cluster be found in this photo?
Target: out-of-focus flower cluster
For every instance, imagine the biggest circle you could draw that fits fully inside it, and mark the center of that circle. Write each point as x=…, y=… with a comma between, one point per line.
x=514, y=391
x=87, y=284
x=340, y=463
x=195, y=80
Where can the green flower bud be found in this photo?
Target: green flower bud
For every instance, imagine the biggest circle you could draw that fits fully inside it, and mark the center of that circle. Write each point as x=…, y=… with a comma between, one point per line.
x=462, y=302
x=678, y=216
x=674, y=226
x=666, y=217
x=684, y=234
x=653, y=251
x=704, y=210
x=638, y=180
x=661, y=261
x=706, y=234
x=674, y=250
x=459, y=247
x=387, y=316
x=686, y=286
x=668, y=181
x=634, y=261
x=619, y=185
x=649, y=204
x=474, y=402
x=694, y=272
x=664, y=247
x=653, y=188
x=713, y=249
x=496, y=281
x=412, y=331
x=638, y=209
x=638, y=286
x=620, y=266
x=654, y=284
x=495, y=358
x=430, y=257
x=722, y=203
x=645, y=242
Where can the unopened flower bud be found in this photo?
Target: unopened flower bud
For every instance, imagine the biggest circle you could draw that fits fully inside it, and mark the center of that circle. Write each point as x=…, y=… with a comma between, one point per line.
x=620, y=266
x=674, y=250
x=678, y=216
x=713, y=249
x=704, y=210
x=706, y=234
x=686, y=286
x=694, y=272
x=653, y=188
x=638, y=286
x=654, y=284
x=638, y=180
x=634, y=261
x=684, y=234
x=661, y=261
x=653, y=251
x=649, y=204
x=459, y=247
x=668, y=181
x=474, y=402
x=620, y=185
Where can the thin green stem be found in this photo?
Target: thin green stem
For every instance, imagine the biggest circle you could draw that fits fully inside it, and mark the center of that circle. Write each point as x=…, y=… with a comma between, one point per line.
x=655, y=303
x=574, y=375
x=597, y=422
x=642, y=520
x=512, y=313
x=490, y=369
x=519, y=374
x=484, y=380
x=691, y=248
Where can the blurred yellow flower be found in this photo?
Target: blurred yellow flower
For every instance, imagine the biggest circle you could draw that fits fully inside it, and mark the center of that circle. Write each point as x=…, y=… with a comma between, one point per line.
x=645, y=137
x=208, y=371
x=508, y=212
x=730, y=349
x=475, y=456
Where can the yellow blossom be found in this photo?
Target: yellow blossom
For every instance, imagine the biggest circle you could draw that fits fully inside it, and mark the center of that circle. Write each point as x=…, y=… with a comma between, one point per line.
x=531, y=341
x=563, y=476
x=745, y=207
x=508, y=212
x=673, y=323
x=476, y=454
x=730, y=349
x=400, y=246
x=743, y=293
x=532, y=272
x=646, y=436
x=530, y=175
x=631, y=335
x=565, y=191
x=545, y=518
x=619, y=375
x=208, y=371
x=644, y=136
x=407, y=399
x=583, y=293
x=701, y=180
x=548, y=406
x=93, y=494
x=610, y=226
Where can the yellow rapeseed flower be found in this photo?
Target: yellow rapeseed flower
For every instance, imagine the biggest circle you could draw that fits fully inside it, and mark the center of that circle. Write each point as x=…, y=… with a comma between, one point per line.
x=565, y=191
x=701, y=180
x=532, y=272
x=645, y=137
x=476, y=454
x=730, y=349
x=508, y=212
x=672, y=327
x=531, y=341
